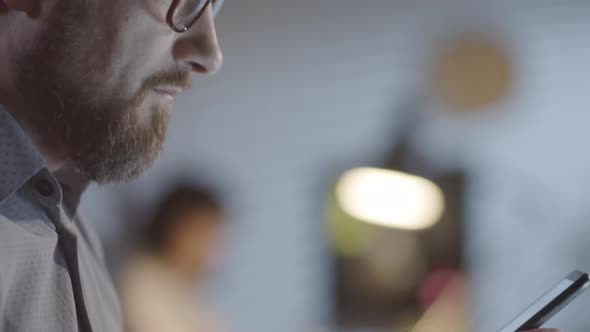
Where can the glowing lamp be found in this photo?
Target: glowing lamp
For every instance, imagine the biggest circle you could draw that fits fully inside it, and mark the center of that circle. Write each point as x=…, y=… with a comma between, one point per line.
x=390, y=198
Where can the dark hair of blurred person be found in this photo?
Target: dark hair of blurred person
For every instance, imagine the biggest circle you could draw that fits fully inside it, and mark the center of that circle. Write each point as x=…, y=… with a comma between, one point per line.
x=185, y=224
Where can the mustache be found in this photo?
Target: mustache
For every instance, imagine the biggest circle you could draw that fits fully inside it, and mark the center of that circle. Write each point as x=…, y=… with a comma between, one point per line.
x=178, y=78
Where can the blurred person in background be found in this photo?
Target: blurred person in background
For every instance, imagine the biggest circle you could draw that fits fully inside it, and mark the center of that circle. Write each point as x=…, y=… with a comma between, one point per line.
x=160, y=284
x=86, y=89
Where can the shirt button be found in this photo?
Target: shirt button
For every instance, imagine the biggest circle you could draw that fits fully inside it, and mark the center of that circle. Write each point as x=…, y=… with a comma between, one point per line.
x=45, y=188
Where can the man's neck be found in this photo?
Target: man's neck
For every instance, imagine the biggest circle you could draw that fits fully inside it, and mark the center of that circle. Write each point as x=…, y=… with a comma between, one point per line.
x=54, y=163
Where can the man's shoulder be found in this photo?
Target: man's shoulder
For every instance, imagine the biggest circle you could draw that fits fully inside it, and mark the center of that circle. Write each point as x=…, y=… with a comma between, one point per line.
x=35, y=292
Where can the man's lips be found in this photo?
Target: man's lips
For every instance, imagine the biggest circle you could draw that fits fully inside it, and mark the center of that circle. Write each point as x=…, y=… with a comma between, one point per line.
x=169, y=90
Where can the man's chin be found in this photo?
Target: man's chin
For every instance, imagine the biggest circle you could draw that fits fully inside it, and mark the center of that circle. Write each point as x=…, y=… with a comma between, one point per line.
x=116, y=170
x=127, y=152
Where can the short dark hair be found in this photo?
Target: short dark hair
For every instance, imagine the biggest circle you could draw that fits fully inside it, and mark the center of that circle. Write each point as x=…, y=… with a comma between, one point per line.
x=175, y=204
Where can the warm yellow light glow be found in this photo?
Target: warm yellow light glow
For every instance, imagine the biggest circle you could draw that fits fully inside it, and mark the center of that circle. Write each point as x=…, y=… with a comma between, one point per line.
x=390, y=198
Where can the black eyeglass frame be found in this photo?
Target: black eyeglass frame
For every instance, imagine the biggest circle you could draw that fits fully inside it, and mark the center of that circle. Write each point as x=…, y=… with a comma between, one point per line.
x=172, y=10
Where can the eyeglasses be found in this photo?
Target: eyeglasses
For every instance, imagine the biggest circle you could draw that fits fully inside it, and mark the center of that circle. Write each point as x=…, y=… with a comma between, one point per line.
x=184, y=13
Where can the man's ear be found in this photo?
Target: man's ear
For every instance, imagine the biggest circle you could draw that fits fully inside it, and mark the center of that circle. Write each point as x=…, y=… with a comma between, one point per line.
x=30, y=7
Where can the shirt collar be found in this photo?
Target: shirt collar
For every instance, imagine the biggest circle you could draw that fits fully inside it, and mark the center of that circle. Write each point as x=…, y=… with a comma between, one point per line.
x=20, y=159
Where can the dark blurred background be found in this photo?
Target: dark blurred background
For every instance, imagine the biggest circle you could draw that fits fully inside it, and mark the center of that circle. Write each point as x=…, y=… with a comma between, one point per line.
x=485, y=99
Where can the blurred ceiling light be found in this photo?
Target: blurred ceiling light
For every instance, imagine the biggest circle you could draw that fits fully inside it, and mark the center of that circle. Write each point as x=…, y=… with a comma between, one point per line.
x=472, y=73
x=390, y=198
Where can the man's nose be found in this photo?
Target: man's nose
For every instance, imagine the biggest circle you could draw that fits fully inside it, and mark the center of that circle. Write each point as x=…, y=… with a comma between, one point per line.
x=198, y=47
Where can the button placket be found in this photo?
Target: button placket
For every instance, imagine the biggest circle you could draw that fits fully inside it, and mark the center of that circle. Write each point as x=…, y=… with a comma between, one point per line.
x=48, y=192
x=45, y=188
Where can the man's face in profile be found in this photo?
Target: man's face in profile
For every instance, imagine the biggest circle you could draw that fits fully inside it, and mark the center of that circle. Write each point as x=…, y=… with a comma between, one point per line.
x=97, y=79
